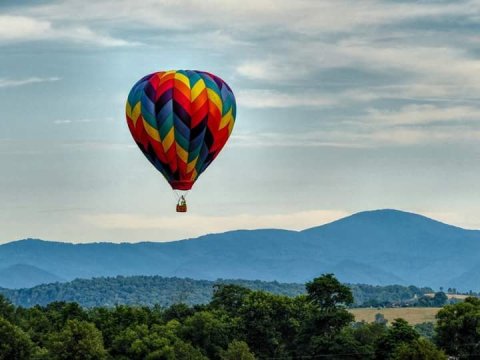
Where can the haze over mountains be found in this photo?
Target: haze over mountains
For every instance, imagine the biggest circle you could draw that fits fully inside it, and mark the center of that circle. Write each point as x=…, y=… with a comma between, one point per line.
x=374, y=247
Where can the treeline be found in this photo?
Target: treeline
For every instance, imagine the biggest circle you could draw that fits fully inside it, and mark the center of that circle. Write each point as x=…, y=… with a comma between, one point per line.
x=237, y=324
x=384, y=296
x=157, y=290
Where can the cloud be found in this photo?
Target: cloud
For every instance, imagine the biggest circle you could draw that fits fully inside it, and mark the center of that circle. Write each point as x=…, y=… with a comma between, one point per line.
x=196, y=225
x=80, y=121
x=14, y=28
x=273, y=70
x=27, y=81
x=416, y=114
x=22, y=27
x=301, y=140
x=263, y=98
x=303, y=16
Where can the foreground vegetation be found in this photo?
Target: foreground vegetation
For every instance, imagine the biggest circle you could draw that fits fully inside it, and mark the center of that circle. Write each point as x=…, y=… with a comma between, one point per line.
x=238, y=323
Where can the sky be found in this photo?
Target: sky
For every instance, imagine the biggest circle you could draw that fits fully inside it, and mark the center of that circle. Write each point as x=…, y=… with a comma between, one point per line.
x=342, y=106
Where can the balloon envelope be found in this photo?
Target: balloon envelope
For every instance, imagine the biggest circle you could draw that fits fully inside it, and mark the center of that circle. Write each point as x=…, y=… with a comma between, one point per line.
x=181, y=119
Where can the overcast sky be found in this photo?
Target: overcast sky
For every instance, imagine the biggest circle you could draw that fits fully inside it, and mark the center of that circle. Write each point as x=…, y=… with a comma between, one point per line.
x=343, y=106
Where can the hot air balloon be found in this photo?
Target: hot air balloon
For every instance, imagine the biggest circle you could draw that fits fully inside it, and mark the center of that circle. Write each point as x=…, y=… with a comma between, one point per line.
x=181, y=120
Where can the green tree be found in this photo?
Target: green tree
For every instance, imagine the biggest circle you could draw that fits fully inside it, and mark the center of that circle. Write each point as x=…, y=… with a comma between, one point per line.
x=400, y=333
x=328, y=293
x=139, y=342
x=209, y=331
x=426, y=329
x=439, y=299
x=14, y=343
x=78, y=340
x=35, y=323
x=419, y=349
x=7, y=310
x=458, y=328
x=324, y=316
x=177, y=312
x=269, y=323
x=358, y=340
x=237, y=350
x=229, y=297
x=380, y=319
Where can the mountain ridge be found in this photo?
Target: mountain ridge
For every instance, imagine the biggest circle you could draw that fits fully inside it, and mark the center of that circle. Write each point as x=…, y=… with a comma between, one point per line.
x=381, y=246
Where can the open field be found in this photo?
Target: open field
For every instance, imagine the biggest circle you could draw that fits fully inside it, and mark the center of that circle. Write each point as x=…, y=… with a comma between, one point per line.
x=451, y=296
x=412, y=315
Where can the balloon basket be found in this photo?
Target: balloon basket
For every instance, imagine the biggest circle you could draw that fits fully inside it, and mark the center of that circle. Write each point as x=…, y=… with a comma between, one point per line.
x=181, y=208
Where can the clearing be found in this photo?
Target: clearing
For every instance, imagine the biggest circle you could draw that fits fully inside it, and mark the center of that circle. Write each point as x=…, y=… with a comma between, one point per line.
x=414, y=315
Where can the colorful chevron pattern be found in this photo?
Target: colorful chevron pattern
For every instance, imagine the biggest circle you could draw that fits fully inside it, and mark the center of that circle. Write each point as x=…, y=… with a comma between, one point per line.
x=181, y=120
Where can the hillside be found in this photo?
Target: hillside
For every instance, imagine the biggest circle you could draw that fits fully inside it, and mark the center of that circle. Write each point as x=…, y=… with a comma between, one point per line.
x=21, y=275
x=157, y=290
x=375, y=247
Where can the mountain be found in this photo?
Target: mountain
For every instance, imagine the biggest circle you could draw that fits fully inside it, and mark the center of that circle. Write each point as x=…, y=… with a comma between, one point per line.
x=378, y=247
x=25, y=276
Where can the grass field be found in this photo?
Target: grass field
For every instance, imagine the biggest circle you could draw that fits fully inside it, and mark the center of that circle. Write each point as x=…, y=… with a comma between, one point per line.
x=412, y=315
x=451, y=296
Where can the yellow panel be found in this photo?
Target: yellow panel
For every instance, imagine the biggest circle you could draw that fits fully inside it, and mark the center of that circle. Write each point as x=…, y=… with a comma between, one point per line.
x=225, y=119
x=182, y=153
x=197, y=89
x=169, y=139
x=184, y=79
x=213, y=97
x=230, y=126
x=136, y=111
x=151, y=131
x=128, y=109
x=194, y=175
x=191, y=165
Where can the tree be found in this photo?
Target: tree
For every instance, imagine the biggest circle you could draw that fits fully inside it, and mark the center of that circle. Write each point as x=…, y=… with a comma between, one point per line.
x=380, y=319
x=269, y=323
x=177, y=312
x=140, y=342
x=458, y=328
x=78, y=340
x=14, y=343
x=439, y=299
x=237, y=350
x=328, y=293
x=426, y=329
x=229, y=297
x=400, y=333
x=7, y=310
x=358, y=340
x=325, y=315
x=209, y=331
x=419, y=349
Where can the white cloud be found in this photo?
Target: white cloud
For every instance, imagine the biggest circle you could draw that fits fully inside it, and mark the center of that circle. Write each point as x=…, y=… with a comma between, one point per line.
x=24, y=28
x=304, y=16
x=26, y=81
x=80, y=121
x=21, y=27
x=311, y=139
x=258, y=98
x=274, y=69
x=424, y=114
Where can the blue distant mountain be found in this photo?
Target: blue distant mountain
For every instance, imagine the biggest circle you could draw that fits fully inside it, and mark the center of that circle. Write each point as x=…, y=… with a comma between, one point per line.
x=374, y=247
